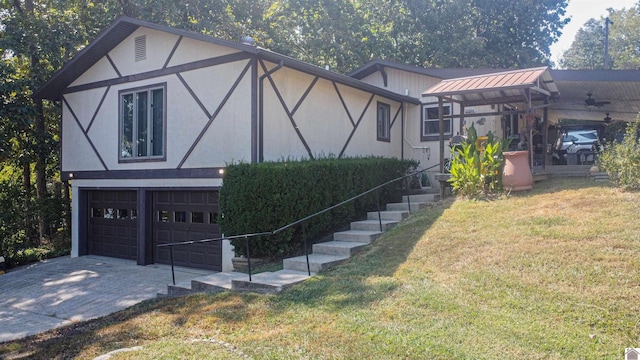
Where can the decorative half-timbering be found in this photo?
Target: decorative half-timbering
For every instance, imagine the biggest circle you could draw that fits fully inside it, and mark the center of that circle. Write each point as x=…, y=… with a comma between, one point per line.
x=151, y=112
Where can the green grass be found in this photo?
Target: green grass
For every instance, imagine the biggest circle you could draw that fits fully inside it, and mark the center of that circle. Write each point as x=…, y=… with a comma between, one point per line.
x=547, y=274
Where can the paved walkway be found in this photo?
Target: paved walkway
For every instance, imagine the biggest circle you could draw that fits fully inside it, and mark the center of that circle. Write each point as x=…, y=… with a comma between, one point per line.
x=57, y=292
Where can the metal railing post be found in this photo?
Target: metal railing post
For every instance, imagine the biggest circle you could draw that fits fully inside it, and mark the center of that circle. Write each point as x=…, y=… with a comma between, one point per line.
x=173, y=274
x=406, y=180
x=246, y=243
x=378, y=204
x=306, y=251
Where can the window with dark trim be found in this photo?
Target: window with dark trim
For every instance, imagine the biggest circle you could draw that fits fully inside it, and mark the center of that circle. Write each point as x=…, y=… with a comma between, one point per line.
x=142, y=123
x=430, y=127
x=384, y=122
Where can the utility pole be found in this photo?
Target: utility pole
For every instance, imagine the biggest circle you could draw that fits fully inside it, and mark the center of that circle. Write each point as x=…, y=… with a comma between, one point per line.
x=606, y=42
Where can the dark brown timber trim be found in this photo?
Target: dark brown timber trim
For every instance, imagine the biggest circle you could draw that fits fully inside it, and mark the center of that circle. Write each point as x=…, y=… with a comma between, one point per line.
x=344, y=105
x=162, y=72
x=199, y=173
x=261, y=107
x=194, y=96
x=364, y=111
x=215, y=114
x=173, y=51
x=95, y=114
x=289, y=115
x=113, y=65
x=395, y=117
x=84, y=132
x=304, y=96
x=254, y=110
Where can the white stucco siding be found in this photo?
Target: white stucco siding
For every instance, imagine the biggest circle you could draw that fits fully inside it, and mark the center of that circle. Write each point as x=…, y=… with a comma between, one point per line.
x=158, y=48
x=84, y=105
x=400, y=81
x=280, y=140
x=229, y=136
x=212, y=84
x=77, y=153
x=365, y=140
x=231, y=131
x=323, y=121
x=191, y=50
x=102, y=70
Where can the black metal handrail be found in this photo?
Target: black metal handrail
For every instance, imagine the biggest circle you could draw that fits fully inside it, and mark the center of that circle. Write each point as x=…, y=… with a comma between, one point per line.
x=297, y=222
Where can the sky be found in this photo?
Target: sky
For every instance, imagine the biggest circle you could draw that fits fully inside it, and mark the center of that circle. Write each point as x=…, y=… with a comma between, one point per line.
x=580, y=11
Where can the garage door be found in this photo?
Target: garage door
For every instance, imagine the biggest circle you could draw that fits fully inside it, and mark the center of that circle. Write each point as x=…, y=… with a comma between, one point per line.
x=184, y=216
x=112, y=224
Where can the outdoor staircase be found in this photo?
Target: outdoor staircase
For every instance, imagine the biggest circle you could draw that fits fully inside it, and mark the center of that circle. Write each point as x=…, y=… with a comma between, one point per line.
x=600, y=176
x=324, y=255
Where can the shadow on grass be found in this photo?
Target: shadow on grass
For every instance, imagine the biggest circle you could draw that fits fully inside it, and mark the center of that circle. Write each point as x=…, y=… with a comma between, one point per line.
x=368, y=276
x=150, y=320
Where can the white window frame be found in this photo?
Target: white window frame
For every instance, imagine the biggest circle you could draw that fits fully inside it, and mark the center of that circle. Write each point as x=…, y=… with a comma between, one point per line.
x=430, y=116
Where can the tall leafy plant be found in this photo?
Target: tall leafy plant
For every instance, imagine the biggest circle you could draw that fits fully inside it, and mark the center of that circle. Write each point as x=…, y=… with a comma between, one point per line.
x=622, y=160
x=476, y=171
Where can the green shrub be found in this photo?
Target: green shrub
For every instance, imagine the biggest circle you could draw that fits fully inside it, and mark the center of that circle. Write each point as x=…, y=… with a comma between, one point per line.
x=478, y=172
x=264, y=197
x=622, y=160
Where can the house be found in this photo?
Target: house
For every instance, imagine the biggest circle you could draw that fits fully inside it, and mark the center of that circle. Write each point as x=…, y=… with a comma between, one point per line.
x=151, y=115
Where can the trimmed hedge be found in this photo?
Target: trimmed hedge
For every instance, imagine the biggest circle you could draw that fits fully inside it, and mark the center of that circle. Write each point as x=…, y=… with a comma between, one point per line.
x=267, y=196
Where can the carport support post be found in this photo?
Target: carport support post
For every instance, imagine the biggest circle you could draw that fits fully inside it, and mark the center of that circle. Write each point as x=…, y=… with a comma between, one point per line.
x=461, y=129
x=545, y=134
x=441, y=126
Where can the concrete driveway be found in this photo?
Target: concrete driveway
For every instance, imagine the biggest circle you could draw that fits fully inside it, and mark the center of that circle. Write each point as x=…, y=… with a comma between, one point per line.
x=57, y=292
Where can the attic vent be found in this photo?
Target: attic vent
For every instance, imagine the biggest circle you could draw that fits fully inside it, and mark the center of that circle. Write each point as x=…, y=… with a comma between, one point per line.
x=141, y=48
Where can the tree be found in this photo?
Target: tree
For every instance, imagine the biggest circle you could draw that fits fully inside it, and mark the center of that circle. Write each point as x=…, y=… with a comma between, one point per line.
x=587, y=49
x=584, y=51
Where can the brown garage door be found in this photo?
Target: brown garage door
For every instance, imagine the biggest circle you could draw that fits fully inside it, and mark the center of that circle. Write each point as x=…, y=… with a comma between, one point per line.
x=112, y=224
x=184, y=216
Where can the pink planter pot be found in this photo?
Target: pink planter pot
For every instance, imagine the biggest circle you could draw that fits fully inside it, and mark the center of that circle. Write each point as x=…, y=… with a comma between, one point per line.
x=517, y=173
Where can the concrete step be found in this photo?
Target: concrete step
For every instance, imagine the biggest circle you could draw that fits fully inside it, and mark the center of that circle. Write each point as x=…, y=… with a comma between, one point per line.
x=388, y=215
x=422, y=198
x=415, y=206
x=270, y=282
x=211, y=283
x=317, y=262
x=361, y=236
x=373, y=225
x=179, y=289
x=341, y=248
x=216, y=282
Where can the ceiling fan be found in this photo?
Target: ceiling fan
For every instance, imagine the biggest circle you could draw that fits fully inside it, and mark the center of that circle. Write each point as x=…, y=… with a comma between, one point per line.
x=589, y=101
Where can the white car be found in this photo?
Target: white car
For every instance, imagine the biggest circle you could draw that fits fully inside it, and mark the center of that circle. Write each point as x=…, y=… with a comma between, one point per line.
x=583, y=143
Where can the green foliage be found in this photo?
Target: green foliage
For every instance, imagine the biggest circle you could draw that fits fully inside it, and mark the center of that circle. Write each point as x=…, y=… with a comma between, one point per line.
x=622, y=160
x=581, y=55
x=264, y=197
x=475, y=171
x=624, y=35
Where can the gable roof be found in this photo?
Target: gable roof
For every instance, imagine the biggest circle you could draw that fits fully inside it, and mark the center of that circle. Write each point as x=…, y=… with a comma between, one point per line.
x=124, y=26
x=440, y=73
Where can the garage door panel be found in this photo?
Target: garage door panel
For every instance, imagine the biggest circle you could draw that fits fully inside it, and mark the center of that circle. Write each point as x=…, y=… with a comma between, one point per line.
x=184, y=216
x=112, y=223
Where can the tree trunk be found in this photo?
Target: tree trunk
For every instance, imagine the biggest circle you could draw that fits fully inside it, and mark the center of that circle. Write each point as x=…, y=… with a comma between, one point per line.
x=41, y=171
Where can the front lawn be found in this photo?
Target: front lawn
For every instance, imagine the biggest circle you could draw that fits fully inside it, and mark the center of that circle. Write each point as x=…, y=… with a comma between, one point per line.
x=547, y=274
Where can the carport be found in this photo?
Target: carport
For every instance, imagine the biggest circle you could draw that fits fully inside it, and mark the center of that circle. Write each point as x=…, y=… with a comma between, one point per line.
x=549, y=95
